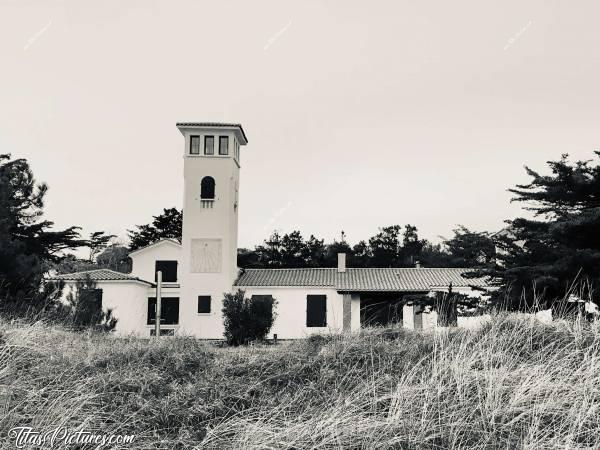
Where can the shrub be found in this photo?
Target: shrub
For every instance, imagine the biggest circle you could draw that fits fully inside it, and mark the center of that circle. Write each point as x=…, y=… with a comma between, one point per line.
x=245, y=319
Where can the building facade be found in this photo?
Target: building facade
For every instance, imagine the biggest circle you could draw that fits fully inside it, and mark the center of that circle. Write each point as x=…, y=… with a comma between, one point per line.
x=197, y=271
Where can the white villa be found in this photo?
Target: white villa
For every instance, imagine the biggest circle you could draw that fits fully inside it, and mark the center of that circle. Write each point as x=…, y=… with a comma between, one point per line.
x=199, y=270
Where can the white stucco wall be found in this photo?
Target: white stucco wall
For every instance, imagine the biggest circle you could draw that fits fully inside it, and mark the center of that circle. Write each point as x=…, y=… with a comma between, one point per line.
x=291, y=311
x=144, y=260
x=201, y=325
x=128, y=302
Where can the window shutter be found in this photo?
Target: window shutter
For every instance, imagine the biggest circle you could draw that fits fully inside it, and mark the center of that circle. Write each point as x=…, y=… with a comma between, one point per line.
x=194, y=145
x=209, y=145
x=316, y=310
x=168, y=269
x=204, y=304
x=223, y=145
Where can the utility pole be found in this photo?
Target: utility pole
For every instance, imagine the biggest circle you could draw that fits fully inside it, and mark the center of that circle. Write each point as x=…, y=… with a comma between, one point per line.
x=158, y=302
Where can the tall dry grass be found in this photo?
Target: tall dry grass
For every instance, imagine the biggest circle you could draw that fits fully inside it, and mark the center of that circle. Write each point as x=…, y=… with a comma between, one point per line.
x=516, y=383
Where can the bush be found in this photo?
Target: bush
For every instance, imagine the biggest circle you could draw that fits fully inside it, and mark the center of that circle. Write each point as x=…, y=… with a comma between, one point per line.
x=247, y=320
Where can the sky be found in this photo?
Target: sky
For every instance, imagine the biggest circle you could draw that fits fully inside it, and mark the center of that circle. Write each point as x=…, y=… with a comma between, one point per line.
x=358, y=114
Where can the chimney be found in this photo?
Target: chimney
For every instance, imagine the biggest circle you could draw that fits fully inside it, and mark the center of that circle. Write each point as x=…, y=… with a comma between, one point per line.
x=341, y=262
x=418, y=264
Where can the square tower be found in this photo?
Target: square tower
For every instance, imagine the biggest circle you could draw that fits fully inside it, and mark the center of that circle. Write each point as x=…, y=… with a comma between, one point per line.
x=210, y=223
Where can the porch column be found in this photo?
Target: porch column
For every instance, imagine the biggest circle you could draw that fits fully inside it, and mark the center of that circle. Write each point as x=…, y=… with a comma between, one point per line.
x=347, y=311
x=412, y=318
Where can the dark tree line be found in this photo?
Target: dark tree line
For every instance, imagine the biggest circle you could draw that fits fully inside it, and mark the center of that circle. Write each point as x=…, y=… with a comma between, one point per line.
x=392, y=246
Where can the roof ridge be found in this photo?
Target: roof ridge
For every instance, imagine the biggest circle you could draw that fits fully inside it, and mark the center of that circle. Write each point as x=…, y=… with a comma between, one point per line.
x=97, y=275
x=214, y=125
x=88, y=271
x=172, y=240
x=96, y=270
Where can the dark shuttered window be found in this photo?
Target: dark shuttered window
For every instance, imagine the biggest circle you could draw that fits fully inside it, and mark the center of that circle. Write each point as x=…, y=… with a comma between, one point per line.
x=223, y=145
x=169, y=311
x=168, y=269
x=194, y=145
x=203, y=304
x=316, y=310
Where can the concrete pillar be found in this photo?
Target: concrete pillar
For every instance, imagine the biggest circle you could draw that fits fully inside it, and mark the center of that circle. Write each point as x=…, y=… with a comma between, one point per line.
x=418, y=317
x=341, y=262
x=347, y=311
x=412, y=319
x=408, y=317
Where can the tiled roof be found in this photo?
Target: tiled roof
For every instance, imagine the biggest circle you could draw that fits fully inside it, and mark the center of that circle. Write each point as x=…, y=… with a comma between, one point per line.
x=371, y=279
x=213, y=125
x=98, y=275
x=404, y=279
x=287, y=277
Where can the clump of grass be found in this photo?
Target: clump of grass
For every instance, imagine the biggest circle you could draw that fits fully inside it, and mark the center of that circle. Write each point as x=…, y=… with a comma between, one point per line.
x=516, y=383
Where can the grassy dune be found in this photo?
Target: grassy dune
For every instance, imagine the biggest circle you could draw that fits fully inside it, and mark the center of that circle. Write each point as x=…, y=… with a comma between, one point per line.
x=514, y=384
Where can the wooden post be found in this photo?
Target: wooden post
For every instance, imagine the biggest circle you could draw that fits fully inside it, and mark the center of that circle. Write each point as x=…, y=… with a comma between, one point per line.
x=158, y=302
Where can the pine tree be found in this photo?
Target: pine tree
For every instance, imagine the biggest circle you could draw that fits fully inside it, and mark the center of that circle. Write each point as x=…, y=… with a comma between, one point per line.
x=27, y=242
x=543, y=257
x=470, y=248
x=98, y=242
x=168, y=224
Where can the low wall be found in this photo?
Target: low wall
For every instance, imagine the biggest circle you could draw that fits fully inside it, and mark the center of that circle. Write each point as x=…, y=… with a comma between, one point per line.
x=428, y=320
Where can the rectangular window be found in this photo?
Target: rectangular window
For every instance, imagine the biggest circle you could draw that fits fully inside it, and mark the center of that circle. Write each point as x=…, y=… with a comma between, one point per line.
x=203, y=304
x=194, y=145
x=168, y=269
x=209, y=145
x=169, y=311
x=316, y=310
x=223, y=145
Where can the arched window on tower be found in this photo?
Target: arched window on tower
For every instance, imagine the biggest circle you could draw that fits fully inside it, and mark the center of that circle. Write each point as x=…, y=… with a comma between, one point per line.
x=207, y=192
